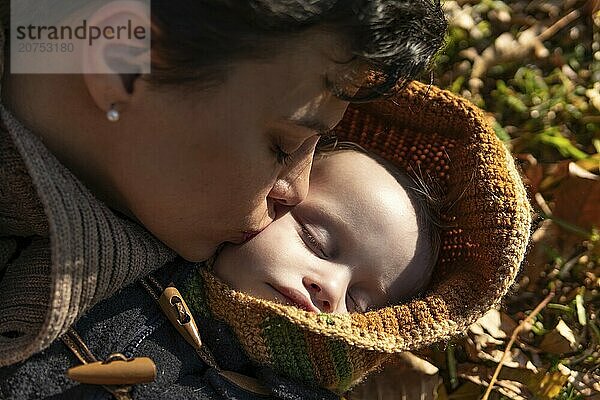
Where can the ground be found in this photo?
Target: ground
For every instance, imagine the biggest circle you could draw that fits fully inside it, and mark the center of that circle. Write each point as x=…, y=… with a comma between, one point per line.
x=534, y=67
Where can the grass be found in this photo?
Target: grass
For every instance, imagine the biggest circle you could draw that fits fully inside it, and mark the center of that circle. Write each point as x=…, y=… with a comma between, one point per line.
x=534, y=67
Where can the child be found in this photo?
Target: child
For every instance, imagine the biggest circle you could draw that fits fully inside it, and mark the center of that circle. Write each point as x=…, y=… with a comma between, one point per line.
x=332, y=252
x=448, y=141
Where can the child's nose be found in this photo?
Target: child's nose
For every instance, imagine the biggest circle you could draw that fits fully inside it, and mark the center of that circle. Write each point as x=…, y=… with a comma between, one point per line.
x=327, y=295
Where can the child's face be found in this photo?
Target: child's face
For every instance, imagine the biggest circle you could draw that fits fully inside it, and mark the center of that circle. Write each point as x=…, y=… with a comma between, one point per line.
x=348, y=247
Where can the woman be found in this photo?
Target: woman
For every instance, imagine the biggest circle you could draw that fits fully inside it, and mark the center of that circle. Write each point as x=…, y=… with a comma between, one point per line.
x=127, y=171
x=244, y=347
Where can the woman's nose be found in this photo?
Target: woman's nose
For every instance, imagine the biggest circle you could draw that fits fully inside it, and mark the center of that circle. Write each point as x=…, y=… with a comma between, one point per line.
x=291, y=187
x=329, y=295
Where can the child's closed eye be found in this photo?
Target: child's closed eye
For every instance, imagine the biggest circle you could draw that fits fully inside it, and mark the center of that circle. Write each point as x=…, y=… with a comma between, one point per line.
x=352, y=305
x=311, y=242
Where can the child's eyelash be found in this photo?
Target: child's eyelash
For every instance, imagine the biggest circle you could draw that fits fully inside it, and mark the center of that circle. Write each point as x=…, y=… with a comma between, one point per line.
x=357, y=307
x=314, y=242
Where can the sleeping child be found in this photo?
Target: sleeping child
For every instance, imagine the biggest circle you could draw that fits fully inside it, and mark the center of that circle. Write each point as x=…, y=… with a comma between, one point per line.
x=333, y=253
x=366, y=237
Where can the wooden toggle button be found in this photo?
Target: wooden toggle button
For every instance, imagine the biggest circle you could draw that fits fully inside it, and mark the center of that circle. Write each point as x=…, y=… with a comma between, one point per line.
x=117, y=370
x=173, y=305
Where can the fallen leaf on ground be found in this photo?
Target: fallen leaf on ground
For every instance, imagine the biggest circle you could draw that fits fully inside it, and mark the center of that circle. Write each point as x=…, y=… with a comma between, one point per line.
x=410, y=377
x=490, y=322
x=509, y=384
x=560, y=340
x=515, y=359
x=577, y=201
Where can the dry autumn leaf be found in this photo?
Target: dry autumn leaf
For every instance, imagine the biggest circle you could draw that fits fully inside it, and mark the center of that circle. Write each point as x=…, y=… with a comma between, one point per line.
x=560, y=340
x=491, y=322
x=577, y=201
x=408, y=378
x=513, y=384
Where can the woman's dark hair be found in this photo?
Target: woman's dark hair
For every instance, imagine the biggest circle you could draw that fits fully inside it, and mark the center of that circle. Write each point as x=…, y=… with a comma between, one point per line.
x=195, y=40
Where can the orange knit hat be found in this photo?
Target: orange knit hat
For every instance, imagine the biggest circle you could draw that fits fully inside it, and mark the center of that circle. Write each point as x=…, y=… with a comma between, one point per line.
x=444, y=137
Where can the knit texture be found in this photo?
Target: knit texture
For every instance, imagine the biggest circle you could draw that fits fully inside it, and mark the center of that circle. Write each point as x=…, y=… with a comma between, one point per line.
x=61, y=250
x=448, y=140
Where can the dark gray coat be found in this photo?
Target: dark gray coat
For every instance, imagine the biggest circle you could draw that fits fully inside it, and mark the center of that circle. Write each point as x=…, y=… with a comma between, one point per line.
x=131, y=323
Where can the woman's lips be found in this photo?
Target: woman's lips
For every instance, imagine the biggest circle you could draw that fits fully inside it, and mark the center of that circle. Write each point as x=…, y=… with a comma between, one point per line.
x=249, y=235
x=296, y=298
x=245, y=237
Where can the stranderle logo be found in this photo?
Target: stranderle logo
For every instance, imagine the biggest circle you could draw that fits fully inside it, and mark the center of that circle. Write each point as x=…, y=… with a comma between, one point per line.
x=80, y=36
x=84, y=31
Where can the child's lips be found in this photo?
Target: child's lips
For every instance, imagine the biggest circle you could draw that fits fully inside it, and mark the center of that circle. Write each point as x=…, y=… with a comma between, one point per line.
x=296, y=298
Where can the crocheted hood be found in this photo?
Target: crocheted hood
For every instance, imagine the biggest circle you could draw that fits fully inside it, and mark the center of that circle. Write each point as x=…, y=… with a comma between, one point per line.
x=447, y=138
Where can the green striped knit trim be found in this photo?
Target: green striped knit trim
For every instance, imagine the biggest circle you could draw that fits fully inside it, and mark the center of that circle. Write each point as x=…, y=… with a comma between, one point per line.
x=339, y=354
x=289, y=352
x=195, y=296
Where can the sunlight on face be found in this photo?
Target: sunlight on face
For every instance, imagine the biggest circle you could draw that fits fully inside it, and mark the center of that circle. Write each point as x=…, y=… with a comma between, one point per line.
x=351, y=245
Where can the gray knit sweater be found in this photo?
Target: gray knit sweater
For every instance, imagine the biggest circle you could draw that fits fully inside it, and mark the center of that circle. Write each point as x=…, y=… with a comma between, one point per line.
x=61, y=250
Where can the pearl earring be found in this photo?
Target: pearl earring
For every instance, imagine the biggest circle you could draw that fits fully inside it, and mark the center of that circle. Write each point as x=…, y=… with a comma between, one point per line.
x=113, y=115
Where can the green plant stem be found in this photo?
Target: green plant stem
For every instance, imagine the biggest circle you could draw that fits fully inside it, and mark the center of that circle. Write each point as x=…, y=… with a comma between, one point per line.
x=451, y=360
x=560, y=307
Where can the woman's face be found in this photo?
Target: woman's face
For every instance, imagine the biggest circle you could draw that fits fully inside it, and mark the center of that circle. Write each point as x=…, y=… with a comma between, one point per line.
x=209, y=165
x=351, y=245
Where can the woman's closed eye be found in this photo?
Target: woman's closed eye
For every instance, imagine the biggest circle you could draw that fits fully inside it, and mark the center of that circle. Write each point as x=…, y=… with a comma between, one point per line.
x=285, y=149
x=283, y=157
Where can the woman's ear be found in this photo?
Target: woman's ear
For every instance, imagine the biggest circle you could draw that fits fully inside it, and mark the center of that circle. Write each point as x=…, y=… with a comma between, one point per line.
x=117, y=52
